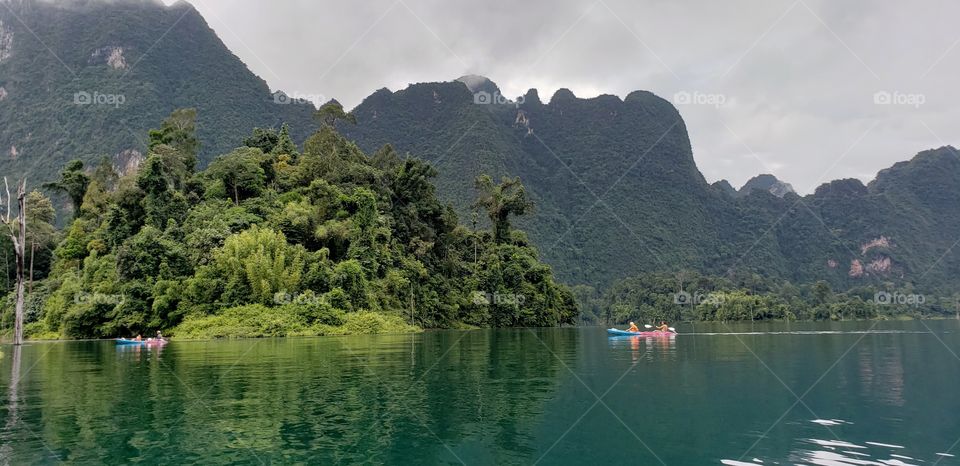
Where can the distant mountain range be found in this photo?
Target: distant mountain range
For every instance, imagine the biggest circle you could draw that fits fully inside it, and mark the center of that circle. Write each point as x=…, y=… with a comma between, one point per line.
x=618, y=191
x=616, y=187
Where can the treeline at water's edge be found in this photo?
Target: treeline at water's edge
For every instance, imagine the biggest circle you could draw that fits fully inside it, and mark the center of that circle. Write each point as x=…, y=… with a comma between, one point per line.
x=690, y=296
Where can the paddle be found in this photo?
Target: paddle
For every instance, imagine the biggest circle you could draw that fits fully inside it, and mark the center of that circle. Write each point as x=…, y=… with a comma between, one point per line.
x=668, y=328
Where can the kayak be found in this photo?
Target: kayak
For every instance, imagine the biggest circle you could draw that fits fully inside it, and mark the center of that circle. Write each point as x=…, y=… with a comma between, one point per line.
x=127, y=341
x=655, y=333
x=149, y=341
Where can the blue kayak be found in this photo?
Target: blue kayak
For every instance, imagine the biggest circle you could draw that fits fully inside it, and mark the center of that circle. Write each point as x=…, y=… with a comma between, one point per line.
x=655, y=333
x=127, y=341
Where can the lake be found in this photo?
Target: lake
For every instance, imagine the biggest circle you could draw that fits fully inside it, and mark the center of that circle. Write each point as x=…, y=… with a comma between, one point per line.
x=808, y=393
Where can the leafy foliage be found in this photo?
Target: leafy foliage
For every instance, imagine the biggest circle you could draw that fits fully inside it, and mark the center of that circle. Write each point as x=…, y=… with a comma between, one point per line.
x=327, y=241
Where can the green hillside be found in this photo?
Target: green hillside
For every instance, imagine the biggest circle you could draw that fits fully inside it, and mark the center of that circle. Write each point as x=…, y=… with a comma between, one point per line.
x=618, y=193
x=569, y=153
x=134, y=61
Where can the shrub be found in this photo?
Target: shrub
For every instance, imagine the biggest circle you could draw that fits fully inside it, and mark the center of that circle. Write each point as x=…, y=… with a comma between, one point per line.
x=257, y=320
x=364, y=322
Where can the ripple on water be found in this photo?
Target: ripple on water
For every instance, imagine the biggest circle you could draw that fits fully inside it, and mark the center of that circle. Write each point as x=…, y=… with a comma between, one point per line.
x=842, y=453
x=886, y=445
x=830, y=422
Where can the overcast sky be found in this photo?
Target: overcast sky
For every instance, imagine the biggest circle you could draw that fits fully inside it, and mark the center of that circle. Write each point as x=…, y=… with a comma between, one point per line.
x=787, y=87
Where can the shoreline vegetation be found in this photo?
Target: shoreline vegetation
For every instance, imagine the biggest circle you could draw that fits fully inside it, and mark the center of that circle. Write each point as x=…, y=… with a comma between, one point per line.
x=273, y=239
x=693, y=297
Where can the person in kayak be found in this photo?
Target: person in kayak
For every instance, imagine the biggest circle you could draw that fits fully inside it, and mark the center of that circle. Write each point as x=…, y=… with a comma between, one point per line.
x=633, y=328
x=663, y=327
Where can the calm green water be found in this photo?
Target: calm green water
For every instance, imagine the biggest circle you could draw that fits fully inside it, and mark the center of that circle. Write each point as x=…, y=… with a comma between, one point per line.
x=557, y=396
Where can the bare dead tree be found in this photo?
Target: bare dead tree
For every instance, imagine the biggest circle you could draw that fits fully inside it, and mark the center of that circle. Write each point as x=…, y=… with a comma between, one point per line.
x=17, y=230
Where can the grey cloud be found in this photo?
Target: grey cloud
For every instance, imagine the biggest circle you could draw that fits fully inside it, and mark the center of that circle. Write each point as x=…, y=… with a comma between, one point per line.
x=797, y=95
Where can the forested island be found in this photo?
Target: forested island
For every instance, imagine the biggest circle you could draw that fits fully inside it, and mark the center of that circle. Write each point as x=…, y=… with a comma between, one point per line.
x=272, y=240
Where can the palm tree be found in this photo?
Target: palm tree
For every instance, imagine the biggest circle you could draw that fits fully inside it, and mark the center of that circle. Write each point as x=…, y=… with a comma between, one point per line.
x=501, y=201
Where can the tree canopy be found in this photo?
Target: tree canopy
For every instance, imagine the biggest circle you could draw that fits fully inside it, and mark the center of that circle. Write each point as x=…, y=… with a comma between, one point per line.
x=274, y=240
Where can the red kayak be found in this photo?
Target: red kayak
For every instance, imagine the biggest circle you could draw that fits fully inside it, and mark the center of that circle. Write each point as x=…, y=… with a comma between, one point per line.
x=654, y=333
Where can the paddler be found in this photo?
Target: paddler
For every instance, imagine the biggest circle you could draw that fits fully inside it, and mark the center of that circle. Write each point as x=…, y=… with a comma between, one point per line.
x=633, y=328
x=663, y=327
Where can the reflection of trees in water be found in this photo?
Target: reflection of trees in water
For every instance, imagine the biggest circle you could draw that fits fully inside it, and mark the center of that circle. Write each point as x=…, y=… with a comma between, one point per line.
x=881, y=373
x=497, y=384
x=320, y=400
x=12, y=408
x=483, y=392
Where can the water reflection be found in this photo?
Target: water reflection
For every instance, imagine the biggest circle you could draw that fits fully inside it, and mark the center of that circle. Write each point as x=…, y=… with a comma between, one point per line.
x=13, y=406
x=388, y=399
x=881, y=375
x=652, y=348
x=488, y=397
x=140, y=349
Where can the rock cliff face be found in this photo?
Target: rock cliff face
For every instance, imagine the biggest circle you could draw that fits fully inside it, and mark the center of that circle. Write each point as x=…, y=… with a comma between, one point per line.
x=110, y=55
x=768, y=183
x=127, y=161
x=6, y=42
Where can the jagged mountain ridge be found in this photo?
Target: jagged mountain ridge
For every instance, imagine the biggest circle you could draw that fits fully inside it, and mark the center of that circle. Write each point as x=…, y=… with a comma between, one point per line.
x=655, y=210
x=646, y=142
x=768, y=183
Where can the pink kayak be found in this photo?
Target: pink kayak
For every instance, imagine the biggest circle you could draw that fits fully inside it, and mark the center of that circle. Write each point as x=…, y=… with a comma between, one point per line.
x=655, y=333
